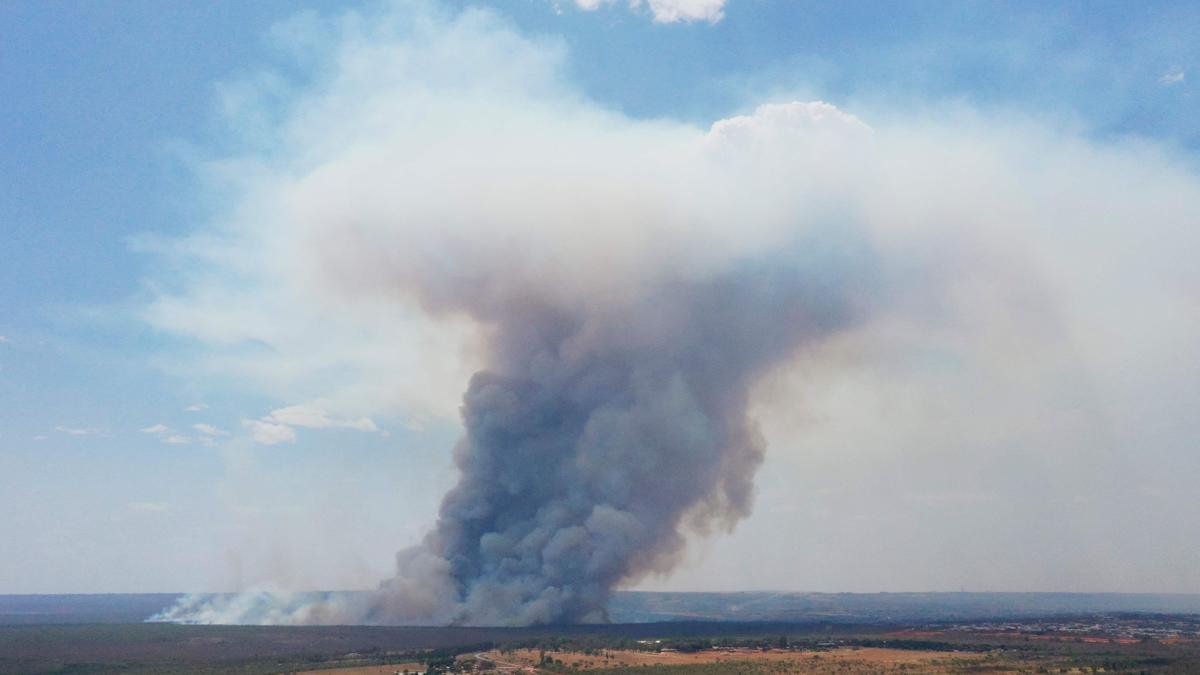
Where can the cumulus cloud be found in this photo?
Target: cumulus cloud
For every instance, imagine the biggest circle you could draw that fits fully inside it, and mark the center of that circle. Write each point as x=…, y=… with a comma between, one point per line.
x=79, y=431
x=278, y=425
x=269, y=433
x=210, y=430
x=196, y=407
x=312, y=417
x=971, y=299
x=5, y=340
x=775, y=124
x=669, y=11
x=1172, y=77
x=207, y=434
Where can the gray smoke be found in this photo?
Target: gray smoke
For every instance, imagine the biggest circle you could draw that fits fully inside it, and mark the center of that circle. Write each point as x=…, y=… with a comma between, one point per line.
x=593, y=439
x=630, y=282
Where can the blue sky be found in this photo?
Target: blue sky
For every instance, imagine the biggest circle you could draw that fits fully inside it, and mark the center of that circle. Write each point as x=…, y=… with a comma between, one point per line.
x=113, y=123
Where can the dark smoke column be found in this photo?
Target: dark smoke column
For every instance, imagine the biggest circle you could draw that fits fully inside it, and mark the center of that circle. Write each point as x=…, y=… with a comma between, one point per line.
x=597, y=434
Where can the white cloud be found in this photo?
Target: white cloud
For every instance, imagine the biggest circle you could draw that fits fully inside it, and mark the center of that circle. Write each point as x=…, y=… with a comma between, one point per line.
x=40, y=437
x=1172, y=77
x=79, y=431
x=168, y=436
x=277, y=426
x=196, y=407
x=313, y=417
x=269, y=433
x=4, y=339
x=209, y=430
x=669, y=11
x=792, y=122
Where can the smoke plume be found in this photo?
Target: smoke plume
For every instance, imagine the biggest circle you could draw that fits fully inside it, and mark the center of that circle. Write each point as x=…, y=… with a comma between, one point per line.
x=595, y=433
x=622, y=320
x=617, y=286
x=598, y=432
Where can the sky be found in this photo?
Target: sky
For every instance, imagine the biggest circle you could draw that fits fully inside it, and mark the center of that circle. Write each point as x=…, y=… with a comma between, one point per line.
x=198, y=393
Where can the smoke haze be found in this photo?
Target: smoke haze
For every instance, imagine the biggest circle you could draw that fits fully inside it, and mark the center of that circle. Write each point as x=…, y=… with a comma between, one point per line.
x=439, y=207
